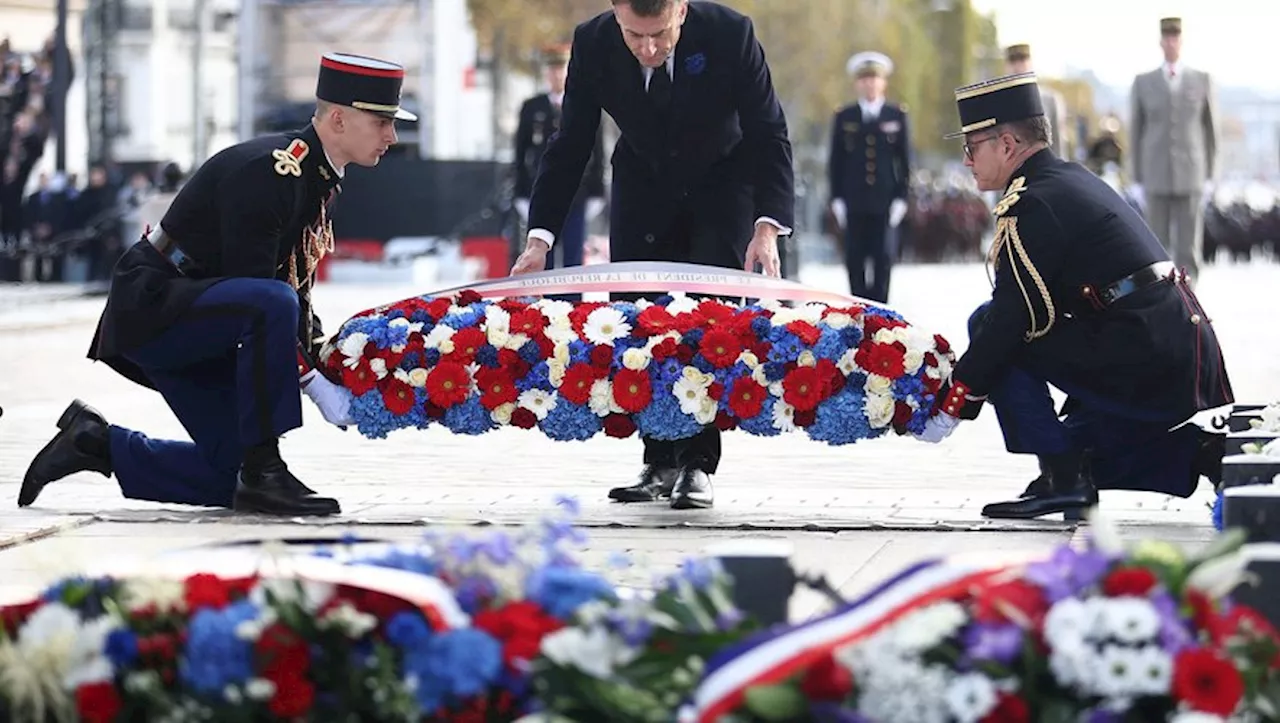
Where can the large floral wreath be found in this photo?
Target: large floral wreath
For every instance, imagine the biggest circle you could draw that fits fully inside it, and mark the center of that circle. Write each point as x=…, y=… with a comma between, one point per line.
x=665, y=368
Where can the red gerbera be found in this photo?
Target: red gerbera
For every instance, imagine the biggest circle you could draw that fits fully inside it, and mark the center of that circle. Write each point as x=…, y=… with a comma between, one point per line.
x=746, y=398
x=716, y=314
x=655, y=321
x=720, y=347
x=577, y=383
x=802, y=388
x=520, y=627
x=203, y=590
x=887, y=360
x=466, y=344
x=805, y=332
x=448, y=384
x=529, y=322
x=632, y=390
x=397, y=395
x=496, y=387
x=1127, y=581
x=359, y=379
x=1206, y=681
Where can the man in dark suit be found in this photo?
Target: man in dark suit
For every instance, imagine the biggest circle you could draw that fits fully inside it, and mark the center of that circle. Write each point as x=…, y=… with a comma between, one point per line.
x=1085, y=299
x=539, y=121
x=869, y=173
x=212, y=309
x=701, y=173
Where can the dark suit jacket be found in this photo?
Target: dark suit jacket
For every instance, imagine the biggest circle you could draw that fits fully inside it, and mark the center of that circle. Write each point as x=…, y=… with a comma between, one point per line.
x=242, y=214
x=539, y=121
x=870, y=163
x=720, y=161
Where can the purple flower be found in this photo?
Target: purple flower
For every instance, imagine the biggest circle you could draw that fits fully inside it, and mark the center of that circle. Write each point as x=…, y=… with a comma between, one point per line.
x=1173, y=633
x=998, y=643
x=828, y=712
x=1102, y=715
x=1068, y=572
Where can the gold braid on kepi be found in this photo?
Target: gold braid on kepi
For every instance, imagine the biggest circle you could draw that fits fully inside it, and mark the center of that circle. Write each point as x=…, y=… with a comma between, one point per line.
x=1007, y=239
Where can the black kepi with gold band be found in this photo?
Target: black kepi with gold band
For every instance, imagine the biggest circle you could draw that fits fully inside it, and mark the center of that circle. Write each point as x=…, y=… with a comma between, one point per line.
x=366, y=84
x=999, y=100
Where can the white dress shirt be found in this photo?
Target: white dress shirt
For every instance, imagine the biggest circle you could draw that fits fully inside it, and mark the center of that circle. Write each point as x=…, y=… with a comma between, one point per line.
x=871, y=109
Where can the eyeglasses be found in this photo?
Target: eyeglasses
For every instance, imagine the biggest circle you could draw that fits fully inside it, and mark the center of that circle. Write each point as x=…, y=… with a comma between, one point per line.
x=968, y=147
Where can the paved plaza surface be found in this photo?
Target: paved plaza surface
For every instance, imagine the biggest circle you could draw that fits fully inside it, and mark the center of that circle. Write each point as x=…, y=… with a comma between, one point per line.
x=856, y=513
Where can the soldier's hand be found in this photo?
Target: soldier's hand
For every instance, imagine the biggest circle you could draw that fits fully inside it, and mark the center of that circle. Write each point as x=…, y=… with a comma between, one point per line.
x=333, y=401
x=534, y=257
x=897, y=210
x=840, y=211
x=938, y=427
x=763, y=250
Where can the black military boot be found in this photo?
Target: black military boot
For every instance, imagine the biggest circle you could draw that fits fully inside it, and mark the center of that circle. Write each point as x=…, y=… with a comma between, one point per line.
x=1040, y=485
x=82, y=444
x=655, y=483
x=266, y=486
x=692, y=491
x=1208, y=460
x=1071, y=492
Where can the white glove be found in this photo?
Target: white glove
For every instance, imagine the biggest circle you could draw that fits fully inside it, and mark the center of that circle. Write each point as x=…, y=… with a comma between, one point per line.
x=522, y=208
x=938, y=428
x=595, y=205
x=897, y=209
x=840, y=211
x=334, y=401
x=1135, y=190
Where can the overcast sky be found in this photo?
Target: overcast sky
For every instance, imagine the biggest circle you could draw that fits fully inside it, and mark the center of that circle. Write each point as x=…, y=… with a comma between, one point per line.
x=1238, y=41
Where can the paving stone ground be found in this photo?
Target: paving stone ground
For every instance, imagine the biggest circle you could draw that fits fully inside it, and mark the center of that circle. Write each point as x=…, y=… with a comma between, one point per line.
x=858, y=513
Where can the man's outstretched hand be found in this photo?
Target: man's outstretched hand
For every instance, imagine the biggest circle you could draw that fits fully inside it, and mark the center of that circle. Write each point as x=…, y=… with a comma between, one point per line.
x=763, y=250
x=533, y=258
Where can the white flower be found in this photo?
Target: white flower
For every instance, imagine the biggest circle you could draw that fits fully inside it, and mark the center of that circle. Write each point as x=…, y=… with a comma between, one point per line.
x=838, y=320
x=439, y=334
x=749, y=359
x=971, y=697
x=602, y=403
x=53, y=653
x=537, y=401
x=912, y=360
x=925, y=627
x=706, y=414
x=553, y=308
x=346, y=618
x=806, y=359
x=555, y=371
x=164, y=594
x=1153, y=669
x=379, y=367
x=596, y=651
x=1067, y=623
x=879, y=410
x=604, y=325
x=1195, y=716
x=877, y=384
x=811, y=313
x=1130, y=619
x=636, y=359
x=642, y=304
x=690, y=394
x=1118, y=673
x=259, y=689
x=418, y=377
x=1074, y=664
x=309, y=594
x=352, y=349
x=846, y=364
x=409, y=326
x=758, y=376
x=681, y=305
x=502, y=413
x=1219, y=576
x=784, y=416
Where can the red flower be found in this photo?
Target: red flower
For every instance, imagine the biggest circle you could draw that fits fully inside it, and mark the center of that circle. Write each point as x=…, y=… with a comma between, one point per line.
x=361, y=379
x=632, y=390
x=397, y=395
x=826, y=680
x=281, y=650
x=944, y=346
x=805, y=332
x=689, y=320
x=1009, y=708
x=887, y=360
x=619, y=426
x=577, y=383
x=519, y=626
x=13, y=616
x=715, y=314
x=294, y=694
x=496, y=387
x=872, y=324
x=97, y=702
x=205, y=591
x=1203, y=610
x=1010, y=601
x=1128, y=582
x=725, y=421
x=524, y=418
x=1241, y=621
x=720, y=347
x=433, y=412
x=746, y=398
x=802, y=388
x=655, y=321
x=715, y=391
x=684, y=353
x=468, y=297
x=529, y=322
x=665, y=349
x=380, y=605
x=448, y=384
x=1206, y=681
x=161, y=647
x=466, y=344
x=602, y=356
x=901, y=414
x=437, y=308
x=578, y=317
x=804, y=418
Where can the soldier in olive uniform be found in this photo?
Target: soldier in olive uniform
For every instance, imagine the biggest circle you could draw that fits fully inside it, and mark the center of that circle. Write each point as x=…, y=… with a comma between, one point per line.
x=868, y=171
x=539, y=120
x=212, y=309
x=1085, y=299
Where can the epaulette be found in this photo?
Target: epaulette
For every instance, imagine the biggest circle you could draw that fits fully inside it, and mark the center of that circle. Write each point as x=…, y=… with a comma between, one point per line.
x=289, y=160
x=1011, y=195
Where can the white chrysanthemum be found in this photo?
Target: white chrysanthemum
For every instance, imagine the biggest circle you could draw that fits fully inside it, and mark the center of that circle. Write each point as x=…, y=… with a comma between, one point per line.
x=309, y=594
x=1153, y=669
x=164, y=594
x=1195, y=716
x=602, y=403
x=604, y=325
x=879, y=410
x=439, y=334
x=682, y=305
x=811, y=313
x=595, y=651
x=53, y=649
x=970, y=697
x=904, y=692
x=642, y=304
x=497, y=325
x=636, y=359
x=537, y=401
x=784, y=416
x=1074, y=664
x=1130, y=619
x=837, y=320
x=690, y=393
x=554, y=309
x=418, y=377
x=847, y=365
x=348, y=620
x=877, y=384
x=1118, y=674
x=378, y=366
x=926, y=627
x=502, y=413
x=352, y=349
x=1067, y=623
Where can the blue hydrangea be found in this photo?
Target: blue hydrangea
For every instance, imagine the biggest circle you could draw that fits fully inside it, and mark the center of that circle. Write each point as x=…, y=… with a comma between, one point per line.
x=387, y=335
x=562, y=590
x=531, y=352
x=408, y=630
x=121, y=648
x=431, y=357
x=774, y=371
x=361, y=325
x=666, y=372
x=469, y=316
x=692, y=337
x=701, y=364
x=579, y=352
x=662, y=419
x=761, y=327
x=841, y=419
x=831, y=344
x=454, y=664
x=851, y=336
x=761, y=425
x=372, y=418
x=487, y=356
x=908, y=386
x=420, y=316
x=786, y=346
x=412, y=360
x=396, y=559
x=567, y=421
x=214, y=656
x=470, y=417
x=539, y=377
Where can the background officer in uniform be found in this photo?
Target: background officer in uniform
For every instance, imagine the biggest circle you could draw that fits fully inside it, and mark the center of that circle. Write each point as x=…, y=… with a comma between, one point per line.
x=1085, y=299
x=212, y=309
x=869, y=172
x=702, y=172
x=1173, y=140
x=539, y=120
x=1017, y=59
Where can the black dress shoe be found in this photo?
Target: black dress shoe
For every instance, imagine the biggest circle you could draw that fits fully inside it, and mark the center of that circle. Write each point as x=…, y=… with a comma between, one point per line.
x=271, y=489
x=1208, y=460
x=692, y=491
x=655, y=483
x=82, y=444
x=1070, y=492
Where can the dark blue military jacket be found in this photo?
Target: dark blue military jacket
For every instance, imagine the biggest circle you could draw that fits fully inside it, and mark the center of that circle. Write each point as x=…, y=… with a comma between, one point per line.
x=869, y=164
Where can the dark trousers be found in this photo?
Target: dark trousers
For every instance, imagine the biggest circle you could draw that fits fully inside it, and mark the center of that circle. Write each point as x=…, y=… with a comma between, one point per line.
x=568, y=249
x=1130, y=448
x=228, y=370
x=868, y=237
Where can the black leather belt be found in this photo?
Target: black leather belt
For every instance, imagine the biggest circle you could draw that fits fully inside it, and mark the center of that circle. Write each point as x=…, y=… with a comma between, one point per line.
x=168, y=248
x=1138, y=280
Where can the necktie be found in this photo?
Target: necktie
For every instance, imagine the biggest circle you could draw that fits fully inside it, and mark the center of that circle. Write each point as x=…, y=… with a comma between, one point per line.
x=660, y=88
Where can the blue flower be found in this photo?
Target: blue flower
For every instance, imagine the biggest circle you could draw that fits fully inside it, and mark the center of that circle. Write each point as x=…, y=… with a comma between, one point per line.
x=539, y=377
x=761, y=425
x=401, y=560
x=774, y=371
x=692, y=338
x=569, y=504
x=761, y=327
x=852, y=336
x=579, y=352
x=121, y=648
x=462, y=319
x=666, y=372
x=701, y=364
x=389, y=336
x=215, y=656
x=786, y=346
x=474, y=593
x=695, y=64
x=372, y=417
x=663, y=419
x=1216, y=514
x=628, y=310
x=908, y=386
x=408, y=630
x=841, y=419
x=431, y=357
x=455, y=664
x=567, y=421
x=470, y=417
x=831, y=345
x=562, y=590
x=499, y=548
x=664, y=300
x=531, y=352
x=487, y=356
